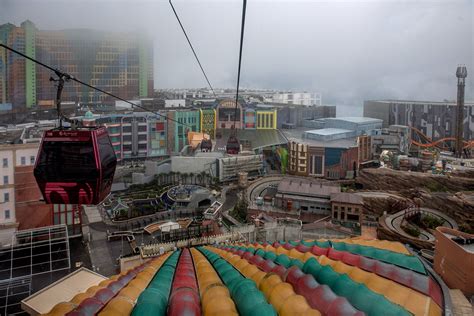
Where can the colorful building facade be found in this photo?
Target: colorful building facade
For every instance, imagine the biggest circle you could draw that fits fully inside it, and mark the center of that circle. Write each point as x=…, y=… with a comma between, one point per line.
x=138, y=135
x=177, y=133
x=317, y=161
x=250, y=119
x=120, y=63
x=227, y=114
x=266, y=119
x=208, y=121
x=246, y=117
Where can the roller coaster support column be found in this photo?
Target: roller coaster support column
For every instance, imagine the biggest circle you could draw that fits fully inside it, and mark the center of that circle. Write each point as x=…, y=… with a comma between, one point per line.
x=461, y=74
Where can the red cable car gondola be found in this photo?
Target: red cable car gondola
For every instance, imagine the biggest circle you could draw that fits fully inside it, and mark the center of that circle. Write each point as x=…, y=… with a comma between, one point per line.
x=75, y=166
x=233, y=145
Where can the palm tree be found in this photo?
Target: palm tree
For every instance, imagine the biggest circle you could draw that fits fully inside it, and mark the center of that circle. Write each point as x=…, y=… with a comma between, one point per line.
x=203, y=177
x=184, y=177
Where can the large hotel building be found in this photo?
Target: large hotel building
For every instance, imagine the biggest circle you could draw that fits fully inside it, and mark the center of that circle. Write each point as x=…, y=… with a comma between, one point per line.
x=435, y=119
x=120, y=63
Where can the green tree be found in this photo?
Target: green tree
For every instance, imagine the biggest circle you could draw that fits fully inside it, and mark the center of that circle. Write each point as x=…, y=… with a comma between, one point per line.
x=240, y=210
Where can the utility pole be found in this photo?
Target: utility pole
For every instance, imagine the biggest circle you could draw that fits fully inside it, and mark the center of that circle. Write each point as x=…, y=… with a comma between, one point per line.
x=461, y=74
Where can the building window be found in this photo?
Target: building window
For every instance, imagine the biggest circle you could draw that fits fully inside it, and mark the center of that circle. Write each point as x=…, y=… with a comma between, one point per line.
x=32, y=160
x=5, y=162
x=352, y=217
x=5, y=179
x=23, y=161
x=7, y=214
x=316, y=165
x=6, y=197
x=336, y=208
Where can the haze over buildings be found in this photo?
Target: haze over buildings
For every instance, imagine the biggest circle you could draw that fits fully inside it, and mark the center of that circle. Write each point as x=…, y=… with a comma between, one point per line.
x=266, y=203
x=120, y=63
x=387, y=49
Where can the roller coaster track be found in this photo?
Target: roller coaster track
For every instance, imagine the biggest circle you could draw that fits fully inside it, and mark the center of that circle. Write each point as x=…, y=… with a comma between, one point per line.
x=428, y=142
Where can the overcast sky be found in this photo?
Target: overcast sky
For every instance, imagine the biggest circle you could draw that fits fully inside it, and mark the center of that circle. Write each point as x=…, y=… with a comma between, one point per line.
x=348, y=50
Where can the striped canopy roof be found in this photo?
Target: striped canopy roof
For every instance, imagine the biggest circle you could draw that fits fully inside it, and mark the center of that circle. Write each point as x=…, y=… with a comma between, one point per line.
x=317, y=277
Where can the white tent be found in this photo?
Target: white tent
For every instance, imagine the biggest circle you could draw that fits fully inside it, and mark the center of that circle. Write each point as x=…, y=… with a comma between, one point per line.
x=169, y=226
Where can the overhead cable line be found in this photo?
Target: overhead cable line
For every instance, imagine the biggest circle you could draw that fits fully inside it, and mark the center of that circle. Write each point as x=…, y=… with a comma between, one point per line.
x=192, y=48
x=244, y=8
x=67, y=77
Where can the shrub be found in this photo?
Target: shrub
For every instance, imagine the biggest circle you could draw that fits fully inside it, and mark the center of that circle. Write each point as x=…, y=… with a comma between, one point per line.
x=411, y=230
x=240, y=210
x=436, y=187
x=431, y=222
x=466, y=228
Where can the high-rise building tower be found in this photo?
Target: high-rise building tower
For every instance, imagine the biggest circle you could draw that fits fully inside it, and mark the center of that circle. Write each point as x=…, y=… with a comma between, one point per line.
x=120, y=63
x=461, y=74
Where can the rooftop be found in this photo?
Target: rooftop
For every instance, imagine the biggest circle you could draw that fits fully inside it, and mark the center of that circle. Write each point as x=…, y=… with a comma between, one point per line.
x=307, y=187
x=310, y=277
x=463, y=240
x=257, y=138
x=349, y=198
x=470, y=103
x=10, y=136
x=328, y=131
x=355, y=119
x=296, y=135
x=64, y=289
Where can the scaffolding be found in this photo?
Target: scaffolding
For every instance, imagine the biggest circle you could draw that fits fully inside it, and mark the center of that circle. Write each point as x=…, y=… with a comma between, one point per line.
x=32, y=252
x=229, y=167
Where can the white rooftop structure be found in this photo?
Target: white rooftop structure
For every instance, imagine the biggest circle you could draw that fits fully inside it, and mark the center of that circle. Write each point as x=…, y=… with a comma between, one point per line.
x=328, y=134
x=355, y=119
x=328, y=131
x=62, y=290
x=359, y=124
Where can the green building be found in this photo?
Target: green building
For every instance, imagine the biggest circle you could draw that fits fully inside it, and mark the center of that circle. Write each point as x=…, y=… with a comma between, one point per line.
x=177, y=133
x=120, y=63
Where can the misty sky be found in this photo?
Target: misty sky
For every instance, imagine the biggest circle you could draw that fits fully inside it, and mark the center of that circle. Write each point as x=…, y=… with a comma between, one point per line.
x=348, y=50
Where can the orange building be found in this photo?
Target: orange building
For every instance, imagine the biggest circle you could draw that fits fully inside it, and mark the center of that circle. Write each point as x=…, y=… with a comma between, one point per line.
x=31, y=211
x=454, y=259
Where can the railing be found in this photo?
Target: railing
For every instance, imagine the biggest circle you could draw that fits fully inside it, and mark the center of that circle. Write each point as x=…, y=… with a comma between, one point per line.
x=154, y=250
x=243, y=228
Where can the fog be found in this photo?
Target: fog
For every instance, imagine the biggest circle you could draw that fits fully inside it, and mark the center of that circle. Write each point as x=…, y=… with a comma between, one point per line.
x=347, y=50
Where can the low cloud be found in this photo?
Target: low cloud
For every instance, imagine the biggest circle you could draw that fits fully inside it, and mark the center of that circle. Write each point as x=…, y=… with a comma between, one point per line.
x=348, y=50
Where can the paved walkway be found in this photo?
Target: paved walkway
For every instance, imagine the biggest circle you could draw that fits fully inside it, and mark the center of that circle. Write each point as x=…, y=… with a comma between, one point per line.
x=93, y=214
x=103, y=253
